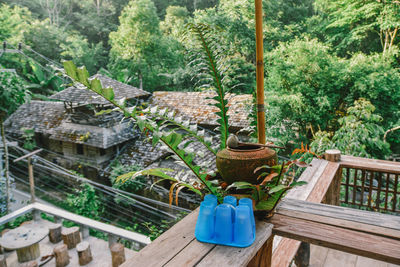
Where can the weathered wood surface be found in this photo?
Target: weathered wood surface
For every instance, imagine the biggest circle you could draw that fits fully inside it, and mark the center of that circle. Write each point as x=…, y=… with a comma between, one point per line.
x=355, y=242
x=178, y=247
x=24, y=236
x=117, y=254
x=61, y=255
x=360, y=220
x=370, y=164
x=84, y=253
x=319, y=178
x=15, y=214
x=3, y=262
x=55, y=233
x=71, y=236
x=29, y=253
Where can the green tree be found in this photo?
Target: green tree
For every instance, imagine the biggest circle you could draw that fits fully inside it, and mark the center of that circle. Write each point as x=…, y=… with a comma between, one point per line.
x=354, y=25
x=85, y=202
x=14, y=21
x=12, y=94
x=360, y=133
x=139, y=47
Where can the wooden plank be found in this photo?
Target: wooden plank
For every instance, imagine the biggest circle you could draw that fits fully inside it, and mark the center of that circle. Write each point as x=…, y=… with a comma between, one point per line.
x=106, y=228
x=361, y=220
x=287, y=248
x=324, y=182
x=370, y=164
x=231, y=256
x=355, y=242
x=311, y=175
x=263, y=256
x=168, y=245
x=336, y=258
x=15, y=214
x=193, y=253
x=318, y=255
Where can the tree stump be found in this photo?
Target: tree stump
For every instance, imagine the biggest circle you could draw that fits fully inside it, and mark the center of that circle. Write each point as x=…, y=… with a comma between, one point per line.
x=29, y=264
x=332, y=155
x=55, y=233
x=28, y=253
x=3, y=262
x=84, y=253
x=71, y=236
x=117, y=254
x=61, y=255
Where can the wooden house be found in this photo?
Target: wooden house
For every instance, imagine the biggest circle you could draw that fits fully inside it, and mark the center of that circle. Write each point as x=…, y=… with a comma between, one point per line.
x=70, y=130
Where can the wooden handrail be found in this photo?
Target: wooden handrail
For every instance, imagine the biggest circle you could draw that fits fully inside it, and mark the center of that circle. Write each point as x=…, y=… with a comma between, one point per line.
x=105, y=228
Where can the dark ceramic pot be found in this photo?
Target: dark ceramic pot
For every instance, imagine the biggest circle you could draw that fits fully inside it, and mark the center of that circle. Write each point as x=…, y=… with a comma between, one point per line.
x=239, y=164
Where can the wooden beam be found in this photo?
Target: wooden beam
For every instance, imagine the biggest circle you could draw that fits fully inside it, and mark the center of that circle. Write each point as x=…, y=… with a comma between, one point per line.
x=360, y=220
x=15, y=214
x=351, y=241
x=370, y=164
x=28, y=155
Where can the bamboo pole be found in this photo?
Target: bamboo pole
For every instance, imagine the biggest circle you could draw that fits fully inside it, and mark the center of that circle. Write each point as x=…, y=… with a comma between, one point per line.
x=260, y=73
x=31, y=179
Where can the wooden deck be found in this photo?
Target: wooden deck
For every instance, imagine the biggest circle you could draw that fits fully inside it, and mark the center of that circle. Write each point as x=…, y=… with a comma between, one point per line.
x=324, y=257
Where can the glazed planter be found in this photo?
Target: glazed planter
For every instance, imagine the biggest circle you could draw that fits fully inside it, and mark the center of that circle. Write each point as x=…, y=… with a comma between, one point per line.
x=238, y=164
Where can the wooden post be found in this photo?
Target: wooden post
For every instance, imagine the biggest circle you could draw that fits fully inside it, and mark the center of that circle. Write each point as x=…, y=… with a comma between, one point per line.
x=28, y=253
x=260, y=73
x=31, y=180
x=58, y=219
x=84, y=231
x=332, y=196
x=71, y=236
x=117, y=254
x=30, y=170
x=302, y=258
x=55, y=233
x=61, y=254
x=111, y=240
x=3, y=262
x=36, y=215
x=84, y=253
x=263, y=258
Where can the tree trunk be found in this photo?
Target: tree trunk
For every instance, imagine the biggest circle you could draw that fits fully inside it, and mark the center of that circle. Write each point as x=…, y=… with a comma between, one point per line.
x=3, y=262
x=28, y=253
x=3, y=137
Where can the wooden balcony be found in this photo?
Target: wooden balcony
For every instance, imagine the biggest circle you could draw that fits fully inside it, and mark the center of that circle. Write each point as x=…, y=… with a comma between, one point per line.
x=309, y=214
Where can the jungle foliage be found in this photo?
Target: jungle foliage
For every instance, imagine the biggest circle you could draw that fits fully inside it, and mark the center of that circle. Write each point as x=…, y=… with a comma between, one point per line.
x=320, y=55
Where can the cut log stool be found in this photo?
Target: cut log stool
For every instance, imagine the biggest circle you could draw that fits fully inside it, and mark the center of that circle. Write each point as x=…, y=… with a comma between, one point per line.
x=61, y=255
x=3, y=262
x=55, y=233
x=117, y=254
x=84, y=253
x=71, y=236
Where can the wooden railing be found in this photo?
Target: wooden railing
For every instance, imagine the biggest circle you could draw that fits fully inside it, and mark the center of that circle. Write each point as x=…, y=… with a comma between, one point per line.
x=370, y=184
x=113, y=232
x=300, y=218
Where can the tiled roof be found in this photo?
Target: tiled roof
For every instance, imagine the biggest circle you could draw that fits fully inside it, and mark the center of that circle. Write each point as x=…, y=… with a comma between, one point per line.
x=84, y=96
x=50, y=118
x=41, y=116
x=196, y=107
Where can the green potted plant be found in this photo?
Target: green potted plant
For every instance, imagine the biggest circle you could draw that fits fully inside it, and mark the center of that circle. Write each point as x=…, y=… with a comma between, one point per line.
x=164, y=128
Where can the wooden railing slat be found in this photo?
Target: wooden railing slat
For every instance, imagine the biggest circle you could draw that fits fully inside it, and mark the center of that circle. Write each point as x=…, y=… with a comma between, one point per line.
x=355, y=242
x=366, y=221
x=370, y=164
